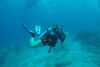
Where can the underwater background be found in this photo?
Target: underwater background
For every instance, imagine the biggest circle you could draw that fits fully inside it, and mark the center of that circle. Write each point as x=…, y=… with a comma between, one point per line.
x=81, y=19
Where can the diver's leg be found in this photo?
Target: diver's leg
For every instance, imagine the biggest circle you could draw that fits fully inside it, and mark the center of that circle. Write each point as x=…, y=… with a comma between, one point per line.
x=50, y=49
x=29, y=31
x=34, y=43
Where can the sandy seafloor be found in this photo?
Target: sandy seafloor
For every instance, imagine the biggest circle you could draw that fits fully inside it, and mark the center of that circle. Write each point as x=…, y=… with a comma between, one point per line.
x=71, y=54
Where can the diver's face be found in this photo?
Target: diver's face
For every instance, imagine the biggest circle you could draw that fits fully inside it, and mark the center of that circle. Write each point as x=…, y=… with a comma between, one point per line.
x=57, y=29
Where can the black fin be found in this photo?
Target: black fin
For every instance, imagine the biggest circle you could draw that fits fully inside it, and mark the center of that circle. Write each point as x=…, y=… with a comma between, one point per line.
x=27, y=30
x=24, y=26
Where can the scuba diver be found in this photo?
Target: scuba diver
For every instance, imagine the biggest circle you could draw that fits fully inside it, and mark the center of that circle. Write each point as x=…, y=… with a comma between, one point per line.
x=49, y=37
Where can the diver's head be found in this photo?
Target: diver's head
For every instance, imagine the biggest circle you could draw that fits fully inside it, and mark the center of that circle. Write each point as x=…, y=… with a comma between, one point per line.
x=57, y=29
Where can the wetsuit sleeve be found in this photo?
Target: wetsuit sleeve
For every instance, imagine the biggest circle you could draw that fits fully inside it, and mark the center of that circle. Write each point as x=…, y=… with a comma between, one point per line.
x=62, y=37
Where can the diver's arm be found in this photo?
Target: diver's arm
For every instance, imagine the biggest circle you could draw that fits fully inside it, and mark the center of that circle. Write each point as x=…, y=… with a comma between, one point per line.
x=34, y=44
x=62, y=37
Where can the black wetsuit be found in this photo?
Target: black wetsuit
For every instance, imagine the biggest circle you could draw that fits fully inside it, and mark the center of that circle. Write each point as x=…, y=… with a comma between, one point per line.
x=49, y=39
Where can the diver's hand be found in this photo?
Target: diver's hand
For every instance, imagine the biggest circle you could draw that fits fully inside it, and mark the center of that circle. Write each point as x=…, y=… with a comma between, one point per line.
x=66, y=33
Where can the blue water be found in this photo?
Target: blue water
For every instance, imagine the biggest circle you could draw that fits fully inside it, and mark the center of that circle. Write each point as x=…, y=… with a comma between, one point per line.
x=76, y=15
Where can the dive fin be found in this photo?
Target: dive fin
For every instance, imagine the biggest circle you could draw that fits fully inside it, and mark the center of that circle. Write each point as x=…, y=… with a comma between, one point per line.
x=38, y=29
x=27, y=30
